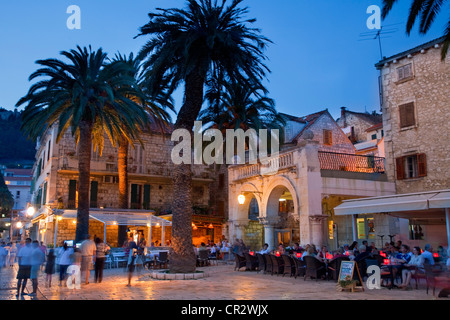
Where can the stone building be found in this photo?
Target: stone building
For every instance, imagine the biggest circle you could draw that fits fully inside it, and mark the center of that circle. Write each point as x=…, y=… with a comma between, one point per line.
x=317, y=168
x=415, y=88
x=150, y=189
x=355, y=124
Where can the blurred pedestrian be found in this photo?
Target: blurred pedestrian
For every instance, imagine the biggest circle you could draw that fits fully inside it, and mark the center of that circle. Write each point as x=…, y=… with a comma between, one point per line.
x=100, y=257
x=74, y=269
x=12, y=254
x=24, y=259
x=88, y=249
x=50, y=268
x=37, y=258
x=64, y=261
x=131, y=266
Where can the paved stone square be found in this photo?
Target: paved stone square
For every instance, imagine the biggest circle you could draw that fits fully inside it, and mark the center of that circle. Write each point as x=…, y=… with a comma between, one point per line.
x=223, y=283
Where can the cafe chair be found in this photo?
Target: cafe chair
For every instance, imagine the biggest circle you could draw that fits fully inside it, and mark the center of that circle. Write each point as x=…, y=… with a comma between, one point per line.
x=300, y=268
x=277, y=264
x=162, y=259
x=251, y=262
x=240, y=262
x=269, y=265
x=203, y=258
x=261, y=262
x=289, y=265
x=315, y=268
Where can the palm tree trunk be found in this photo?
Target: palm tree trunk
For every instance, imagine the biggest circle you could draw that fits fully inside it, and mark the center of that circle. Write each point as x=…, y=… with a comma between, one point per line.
x=123, y=186
x=182, y=256
x=84, y=174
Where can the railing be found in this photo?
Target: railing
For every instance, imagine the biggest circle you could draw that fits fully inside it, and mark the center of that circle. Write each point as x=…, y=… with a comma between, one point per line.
x=273, y=165
x=350, y=162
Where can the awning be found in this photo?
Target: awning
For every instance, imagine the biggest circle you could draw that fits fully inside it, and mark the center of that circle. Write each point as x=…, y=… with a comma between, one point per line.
x=122, y=217
x=395, y=203
x=441, y=200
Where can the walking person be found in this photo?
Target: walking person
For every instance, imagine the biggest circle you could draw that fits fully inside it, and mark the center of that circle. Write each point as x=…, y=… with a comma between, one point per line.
x=100, y=257
x=37, y=258
x=132, y=247
x=12, y=254
x=24, y=259
x=64, y=261
x=88, y=249
x=50, y=268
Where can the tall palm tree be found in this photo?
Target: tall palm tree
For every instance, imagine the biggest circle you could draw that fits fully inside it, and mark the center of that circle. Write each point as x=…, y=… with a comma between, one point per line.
x=154, y=107
x=81, y=95
x=188, y=45
x=426, y=11
x=232, y=106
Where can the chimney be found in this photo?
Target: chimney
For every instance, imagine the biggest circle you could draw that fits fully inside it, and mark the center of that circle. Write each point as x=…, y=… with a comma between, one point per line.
x=344, y=124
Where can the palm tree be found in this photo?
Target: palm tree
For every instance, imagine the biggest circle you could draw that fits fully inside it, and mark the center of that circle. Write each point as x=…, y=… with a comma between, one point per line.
x=232, y=106
x=81, y=95
x=426, y=11
x=154, y=107
x=188, y=45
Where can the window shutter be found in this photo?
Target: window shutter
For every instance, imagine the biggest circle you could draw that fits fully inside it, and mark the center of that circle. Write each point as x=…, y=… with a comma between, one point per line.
x=422, y=165
x=400, y=73
x=146, y=204
x=407, y=117
x=44, y=199
x=94, y=193
x=327, y=137
x=134, y=196
x=400, y=168
x=72, y=193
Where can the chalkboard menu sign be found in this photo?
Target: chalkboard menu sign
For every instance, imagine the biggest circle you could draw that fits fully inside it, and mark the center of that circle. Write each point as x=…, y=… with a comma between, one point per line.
x=347, y=272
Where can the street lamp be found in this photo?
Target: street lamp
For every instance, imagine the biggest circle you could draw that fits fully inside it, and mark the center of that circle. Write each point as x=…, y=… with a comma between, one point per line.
x=19, y=225
x=241, y=199
x=30, y=211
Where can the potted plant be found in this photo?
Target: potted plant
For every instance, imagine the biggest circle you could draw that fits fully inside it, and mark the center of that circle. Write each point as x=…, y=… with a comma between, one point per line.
x=347, y=283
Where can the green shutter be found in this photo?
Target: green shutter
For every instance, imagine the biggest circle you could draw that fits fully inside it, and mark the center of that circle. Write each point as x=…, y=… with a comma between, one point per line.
x=94, y=193
x=146, y=204
x=72, y=193
x=134, y=196
x=44, y=196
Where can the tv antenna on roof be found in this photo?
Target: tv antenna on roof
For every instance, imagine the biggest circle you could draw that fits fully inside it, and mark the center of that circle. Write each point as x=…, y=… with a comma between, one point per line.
x=379, y=34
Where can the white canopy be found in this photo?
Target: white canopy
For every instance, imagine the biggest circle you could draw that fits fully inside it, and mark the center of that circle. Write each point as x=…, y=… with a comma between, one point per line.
x=121, y=217
x=440, y=200
x=398, y=202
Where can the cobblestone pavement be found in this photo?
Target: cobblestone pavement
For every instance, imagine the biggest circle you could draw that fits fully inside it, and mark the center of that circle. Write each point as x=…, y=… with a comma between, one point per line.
x=223, y=283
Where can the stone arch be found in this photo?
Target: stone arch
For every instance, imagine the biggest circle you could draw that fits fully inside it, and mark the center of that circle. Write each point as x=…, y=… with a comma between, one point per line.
x=272, y=194
x=249, y=190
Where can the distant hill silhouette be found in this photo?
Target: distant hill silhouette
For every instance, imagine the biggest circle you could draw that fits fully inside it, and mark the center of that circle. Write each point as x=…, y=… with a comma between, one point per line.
x=14, y=146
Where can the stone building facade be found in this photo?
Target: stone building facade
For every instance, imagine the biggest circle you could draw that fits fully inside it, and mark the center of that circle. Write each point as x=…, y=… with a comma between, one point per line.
x=150, y=185
x=416, y=118
x=317, y=168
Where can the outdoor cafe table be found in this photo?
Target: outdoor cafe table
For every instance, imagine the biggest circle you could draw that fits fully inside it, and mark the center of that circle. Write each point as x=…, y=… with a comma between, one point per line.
x=391, y=267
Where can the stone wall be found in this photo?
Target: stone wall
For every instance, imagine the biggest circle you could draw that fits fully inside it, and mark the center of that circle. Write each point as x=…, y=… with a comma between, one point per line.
x=429, y=89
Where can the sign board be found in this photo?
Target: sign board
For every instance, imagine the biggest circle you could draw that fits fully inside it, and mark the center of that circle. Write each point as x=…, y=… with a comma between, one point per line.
x=347, y=271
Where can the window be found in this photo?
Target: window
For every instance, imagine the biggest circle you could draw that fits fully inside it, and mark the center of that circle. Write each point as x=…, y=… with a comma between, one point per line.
x=404, y=72
x=412, y=166
x=17, y=194
x=327, y=137
x=48, y=150
x=221, y=181
x=140, y=196
x=407, y=115
x=374, y=136
x=365, y=228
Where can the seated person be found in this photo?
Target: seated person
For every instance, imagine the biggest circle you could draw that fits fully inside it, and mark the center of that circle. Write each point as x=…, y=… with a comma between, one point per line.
x=295, y=249
x=339, y=253
x=415, y=264
x=363, y=253
x=265, y=249
x=427, y=255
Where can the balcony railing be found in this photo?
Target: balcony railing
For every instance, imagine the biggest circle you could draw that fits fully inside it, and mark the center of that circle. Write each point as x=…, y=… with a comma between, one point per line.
x=350, y=162
x=273, y=164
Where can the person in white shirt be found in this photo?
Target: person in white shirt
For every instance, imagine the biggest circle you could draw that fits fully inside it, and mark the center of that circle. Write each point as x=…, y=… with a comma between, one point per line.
x=64, y=261
x=88, y=250
x=265, y=249
x=427, y=255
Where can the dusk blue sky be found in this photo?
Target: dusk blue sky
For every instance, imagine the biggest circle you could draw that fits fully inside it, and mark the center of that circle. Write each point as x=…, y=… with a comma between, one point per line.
x=316, y=59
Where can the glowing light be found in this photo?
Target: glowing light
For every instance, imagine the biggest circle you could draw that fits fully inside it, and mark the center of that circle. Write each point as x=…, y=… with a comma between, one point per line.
x=19, y=225
x=30, y=211
x=298, y=255
x=278, y=253
x=241, y=199
x=74, y=221
x=386, y=261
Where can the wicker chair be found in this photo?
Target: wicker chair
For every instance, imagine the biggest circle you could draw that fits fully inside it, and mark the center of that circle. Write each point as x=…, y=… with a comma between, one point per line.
x=251, y=262
x=300, y=267
x=202, y=259
x=334, y=267
x=314, y=267
x=240, y=262
x=277, y=264
x=261, y=262
x=269, y=265
x=289, y=265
